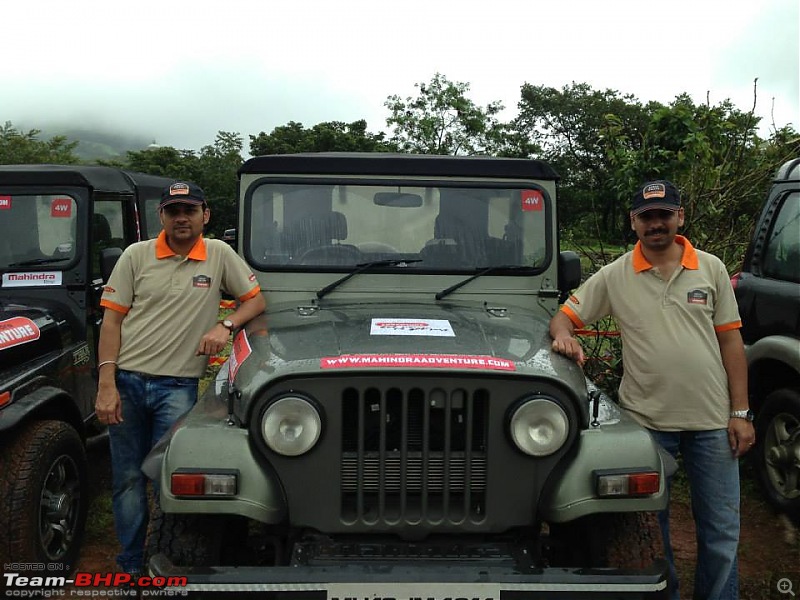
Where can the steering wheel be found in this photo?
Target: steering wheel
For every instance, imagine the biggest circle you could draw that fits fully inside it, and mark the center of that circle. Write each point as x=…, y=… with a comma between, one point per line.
x=335, y=254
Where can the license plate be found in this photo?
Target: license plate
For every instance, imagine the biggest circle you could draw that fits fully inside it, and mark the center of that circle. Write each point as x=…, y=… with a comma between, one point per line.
x=414, y=591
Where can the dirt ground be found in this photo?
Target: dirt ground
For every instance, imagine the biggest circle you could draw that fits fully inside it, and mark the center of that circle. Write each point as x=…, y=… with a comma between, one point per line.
x=769, y=548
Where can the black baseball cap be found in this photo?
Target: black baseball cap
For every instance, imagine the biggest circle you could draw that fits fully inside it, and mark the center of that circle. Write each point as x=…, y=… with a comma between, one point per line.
x=656, y=194
x=182, y=192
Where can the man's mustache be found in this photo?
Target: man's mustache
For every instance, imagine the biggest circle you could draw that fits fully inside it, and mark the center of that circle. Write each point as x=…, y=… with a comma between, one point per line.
x=656, y=232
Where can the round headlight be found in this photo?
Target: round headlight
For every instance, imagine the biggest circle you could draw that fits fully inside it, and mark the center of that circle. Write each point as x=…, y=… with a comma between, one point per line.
x=539, y=427
x=291, y=426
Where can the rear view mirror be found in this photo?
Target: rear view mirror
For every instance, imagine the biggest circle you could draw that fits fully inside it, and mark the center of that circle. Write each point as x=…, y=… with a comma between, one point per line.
x=398, y=199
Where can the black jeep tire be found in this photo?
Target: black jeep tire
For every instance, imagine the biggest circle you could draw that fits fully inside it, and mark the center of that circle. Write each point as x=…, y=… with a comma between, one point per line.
x=616, y=540
x=43, y=497
x=193, y=540
x=776, y=451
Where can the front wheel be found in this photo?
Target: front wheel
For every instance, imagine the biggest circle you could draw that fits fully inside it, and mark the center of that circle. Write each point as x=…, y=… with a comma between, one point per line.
x=777, y=451
x=616, y=540
x=43, y=497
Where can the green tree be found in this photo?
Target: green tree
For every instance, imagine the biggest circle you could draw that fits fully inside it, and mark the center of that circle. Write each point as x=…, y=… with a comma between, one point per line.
x=213, y=168
x=442, y=120
x=715, y=157
x=216, y=173
x=564, y=125
x=18, y=147
x=330, y=136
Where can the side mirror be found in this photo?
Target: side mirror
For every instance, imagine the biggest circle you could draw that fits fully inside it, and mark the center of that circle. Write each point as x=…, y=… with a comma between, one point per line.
x=108, y=258
x=569, y=273
x=229, y=237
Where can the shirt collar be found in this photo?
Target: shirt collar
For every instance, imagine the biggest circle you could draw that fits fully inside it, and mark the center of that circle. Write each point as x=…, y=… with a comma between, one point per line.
x=198, y=251
x=688, y=260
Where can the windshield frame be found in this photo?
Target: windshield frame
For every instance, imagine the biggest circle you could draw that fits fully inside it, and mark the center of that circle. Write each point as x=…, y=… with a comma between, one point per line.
x=246, y=239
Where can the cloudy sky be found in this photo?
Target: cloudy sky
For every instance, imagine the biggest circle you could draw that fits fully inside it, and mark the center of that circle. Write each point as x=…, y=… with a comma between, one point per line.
x=178, y=71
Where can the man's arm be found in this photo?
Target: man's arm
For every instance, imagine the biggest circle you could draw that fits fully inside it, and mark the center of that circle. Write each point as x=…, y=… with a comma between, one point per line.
x=215, y=340
x=740, y=431
x=108, y=406
x=562, y=330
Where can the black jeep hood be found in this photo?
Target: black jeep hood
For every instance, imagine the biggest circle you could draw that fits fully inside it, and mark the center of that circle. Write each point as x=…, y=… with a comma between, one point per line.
x=26, y=333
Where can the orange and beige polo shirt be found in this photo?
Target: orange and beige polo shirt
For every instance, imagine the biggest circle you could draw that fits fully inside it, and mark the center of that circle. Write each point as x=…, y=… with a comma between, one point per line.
x=673, y=374
x=171, y=301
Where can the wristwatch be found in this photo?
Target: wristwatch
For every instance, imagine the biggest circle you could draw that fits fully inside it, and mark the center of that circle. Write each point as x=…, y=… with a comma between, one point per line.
x=742, y=414
x=227, y=324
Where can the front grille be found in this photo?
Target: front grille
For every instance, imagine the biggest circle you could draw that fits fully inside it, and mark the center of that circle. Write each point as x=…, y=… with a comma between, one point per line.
x=413, y=455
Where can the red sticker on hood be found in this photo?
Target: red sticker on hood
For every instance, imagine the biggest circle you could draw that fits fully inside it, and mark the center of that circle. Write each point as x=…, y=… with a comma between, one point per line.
x=431, y=361
x=5, y=202
x=16, y=331
x=240, y=350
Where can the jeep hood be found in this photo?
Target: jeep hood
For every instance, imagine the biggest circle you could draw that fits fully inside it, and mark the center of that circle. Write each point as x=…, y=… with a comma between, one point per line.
x=26, y=332
x=417, y=336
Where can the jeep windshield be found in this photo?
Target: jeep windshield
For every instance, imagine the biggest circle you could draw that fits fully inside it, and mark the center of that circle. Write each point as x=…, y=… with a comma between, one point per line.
x=338, y=225
x=36, y=230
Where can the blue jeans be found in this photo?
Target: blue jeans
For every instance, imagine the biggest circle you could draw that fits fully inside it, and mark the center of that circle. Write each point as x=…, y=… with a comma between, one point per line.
x=713, y=475
x=150, y=406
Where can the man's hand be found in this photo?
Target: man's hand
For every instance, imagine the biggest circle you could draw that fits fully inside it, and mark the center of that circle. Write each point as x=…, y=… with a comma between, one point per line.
x=569, y=347
x=108, y=406
x=214, y=341
x=742, y=436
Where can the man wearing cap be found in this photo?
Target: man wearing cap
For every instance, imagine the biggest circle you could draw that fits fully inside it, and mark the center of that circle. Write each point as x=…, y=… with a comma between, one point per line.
x=685, y=373
x=159, y=327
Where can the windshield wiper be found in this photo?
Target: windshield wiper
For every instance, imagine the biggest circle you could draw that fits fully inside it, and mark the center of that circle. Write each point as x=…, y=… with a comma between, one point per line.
x=393, y=262
x=480, y=273
x=37, y=261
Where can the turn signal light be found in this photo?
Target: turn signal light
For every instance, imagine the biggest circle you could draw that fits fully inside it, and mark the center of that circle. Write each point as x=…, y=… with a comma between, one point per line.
x=204, y=484
x=627, y=484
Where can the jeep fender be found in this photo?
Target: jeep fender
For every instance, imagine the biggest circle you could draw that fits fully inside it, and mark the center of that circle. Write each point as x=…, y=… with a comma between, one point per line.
x=570, y=493
x=204, y=441
x=46, y=402
x=775, y=347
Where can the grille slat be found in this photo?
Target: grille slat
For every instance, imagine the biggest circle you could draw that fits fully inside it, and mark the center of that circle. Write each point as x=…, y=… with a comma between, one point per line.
x=418, y=454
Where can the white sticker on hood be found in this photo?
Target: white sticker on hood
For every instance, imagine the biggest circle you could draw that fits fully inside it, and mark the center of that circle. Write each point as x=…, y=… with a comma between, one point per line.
x=31, y=279
x=426, y=327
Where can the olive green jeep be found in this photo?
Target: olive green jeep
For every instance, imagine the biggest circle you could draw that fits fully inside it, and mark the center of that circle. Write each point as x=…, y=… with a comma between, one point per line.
x=395, y=425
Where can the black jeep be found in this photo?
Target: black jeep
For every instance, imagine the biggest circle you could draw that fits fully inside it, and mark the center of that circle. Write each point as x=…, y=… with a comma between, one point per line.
x=768, y=292
x=56, y=224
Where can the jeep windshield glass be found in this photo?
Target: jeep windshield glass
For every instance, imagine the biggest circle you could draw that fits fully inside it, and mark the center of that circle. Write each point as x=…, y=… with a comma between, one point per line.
x=452, y=228
x=36, y=229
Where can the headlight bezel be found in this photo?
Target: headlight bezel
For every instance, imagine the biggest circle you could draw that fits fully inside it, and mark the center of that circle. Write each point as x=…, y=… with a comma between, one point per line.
x=290, y=403
x=540, y=403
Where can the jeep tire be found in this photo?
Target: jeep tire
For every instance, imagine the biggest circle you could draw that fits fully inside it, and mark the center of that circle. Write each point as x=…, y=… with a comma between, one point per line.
x=777, y=450
x=43, y=497
x=194, y=540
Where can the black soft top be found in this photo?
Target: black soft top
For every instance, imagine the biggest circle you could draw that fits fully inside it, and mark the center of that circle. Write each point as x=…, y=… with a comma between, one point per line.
x=99, y=178
x=385, y=163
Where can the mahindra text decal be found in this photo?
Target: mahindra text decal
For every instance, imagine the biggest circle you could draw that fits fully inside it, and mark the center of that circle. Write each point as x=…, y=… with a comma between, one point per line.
x=240, y=350
x=31, y=279
x=430, y=361
x=16, y=331
x=426, y=327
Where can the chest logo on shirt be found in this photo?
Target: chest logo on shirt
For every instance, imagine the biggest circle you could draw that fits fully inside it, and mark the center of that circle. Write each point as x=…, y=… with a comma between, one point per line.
x=697, y=297
x=201, y=281
x=574, y=299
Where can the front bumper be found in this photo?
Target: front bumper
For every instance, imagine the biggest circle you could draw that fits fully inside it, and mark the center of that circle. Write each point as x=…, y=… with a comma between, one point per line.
x=384, y=581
